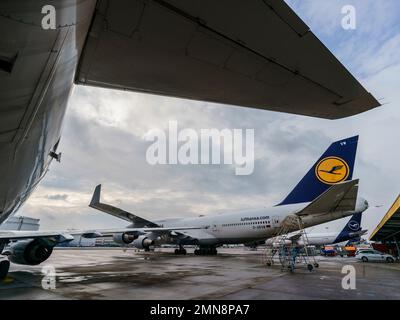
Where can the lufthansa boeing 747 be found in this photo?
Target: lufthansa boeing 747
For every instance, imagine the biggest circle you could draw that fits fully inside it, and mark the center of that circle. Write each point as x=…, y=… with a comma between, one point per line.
x=315, y=199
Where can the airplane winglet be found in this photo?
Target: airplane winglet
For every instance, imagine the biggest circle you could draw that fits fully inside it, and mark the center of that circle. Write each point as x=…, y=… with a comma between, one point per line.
x=96, y=196
x=137, y=221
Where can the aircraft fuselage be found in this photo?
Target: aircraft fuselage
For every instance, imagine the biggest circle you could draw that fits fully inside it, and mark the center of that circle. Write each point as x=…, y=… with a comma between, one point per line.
x=35, y=91
x=248, y=226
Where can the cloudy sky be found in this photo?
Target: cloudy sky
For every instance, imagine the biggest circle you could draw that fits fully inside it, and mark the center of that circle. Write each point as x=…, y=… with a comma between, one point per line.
x=103, y=140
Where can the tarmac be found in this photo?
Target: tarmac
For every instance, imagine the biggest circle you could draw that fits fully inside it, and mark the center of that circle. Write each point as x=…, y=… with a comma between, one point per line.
x=235, y=273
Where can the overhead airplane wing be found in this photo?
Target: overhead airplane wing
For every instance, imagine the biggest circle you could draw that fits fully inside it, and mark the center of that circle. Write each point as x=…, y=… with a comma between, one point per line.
x=117, y=212
x=67, y=235
x=340, y=197
x=257, y=54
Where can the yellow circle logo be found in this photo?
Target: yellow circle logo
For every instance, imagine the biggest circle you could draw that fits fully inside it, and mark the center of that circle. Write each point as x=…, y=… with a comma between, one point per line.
x=332, y=170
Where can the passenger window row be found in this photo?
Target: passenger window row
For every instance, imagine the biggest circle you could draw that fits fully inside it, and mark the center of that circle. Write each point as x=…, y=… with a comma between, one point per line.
x=245, y=223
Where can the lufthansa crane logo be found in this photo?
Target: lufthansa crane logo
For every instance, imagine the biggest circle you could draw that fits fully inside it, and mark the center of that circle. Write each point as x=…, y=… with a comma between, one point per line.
x=353, y=225
x=332, y=170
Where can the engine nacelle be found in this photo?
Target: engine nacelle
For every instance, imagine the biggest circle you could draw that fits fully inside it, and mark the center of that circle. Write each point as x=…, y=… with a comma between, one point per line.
x=123, y=238
x=276, y=243
x=143, y=242
x=29, y=252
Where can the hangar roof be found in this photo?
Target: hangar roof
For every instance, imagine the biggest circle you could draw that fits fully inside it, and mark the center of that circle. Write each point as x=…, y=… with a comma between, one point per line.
x=390, y=224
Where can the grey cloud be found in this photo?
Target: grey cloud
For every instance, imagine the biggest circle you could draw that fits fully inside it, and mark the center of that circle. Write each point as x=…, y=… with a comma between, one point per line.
x=57, y=196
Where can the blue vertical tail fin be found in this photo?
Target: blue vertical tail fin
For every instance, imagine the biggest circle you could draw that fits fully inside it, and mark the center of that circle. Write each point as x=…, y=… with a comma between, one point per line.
x=334, y=166
x=350, y=230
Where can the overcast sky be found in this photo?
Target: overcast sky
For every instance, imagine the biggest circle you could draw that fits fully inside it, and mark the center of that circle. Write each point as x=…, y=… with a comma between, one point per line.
x=103, y=140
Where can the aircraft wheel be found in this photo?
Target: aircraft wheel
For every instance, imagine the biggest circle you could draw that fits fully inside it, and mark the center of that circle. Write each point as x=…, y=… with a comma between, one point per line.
x=180, y=251
x=316, y=265
x=310, y=267
x=205, y=251
x=4, y=267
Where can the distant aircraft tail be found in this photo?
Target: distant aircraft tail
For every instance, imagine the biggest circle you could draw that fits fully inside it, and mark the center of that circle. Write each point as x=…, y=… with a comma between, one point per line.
x=334, y=166
x=352, y=230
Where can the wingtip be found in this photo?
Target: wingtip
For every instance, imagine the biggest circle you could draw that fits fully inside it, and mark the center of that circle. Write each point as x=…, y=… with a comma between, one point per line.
x=352, y=139
x=96, y=196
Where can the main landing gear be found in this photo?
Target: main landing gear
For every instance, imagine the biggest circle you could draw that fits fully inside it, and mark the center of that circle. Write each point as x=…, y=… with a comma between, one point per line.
x=202, y=251
x=4, y=267
x=181, y=250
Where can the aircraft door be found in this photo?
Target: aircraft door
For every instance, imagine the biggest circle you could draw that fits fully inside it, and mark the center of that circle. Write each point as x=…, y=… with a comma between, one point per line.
x=215, y=227
x=275, y=221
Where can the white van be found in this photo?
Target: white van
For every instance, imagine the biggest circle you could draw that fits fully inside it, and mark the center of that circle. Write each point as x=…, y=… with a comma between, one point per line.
x=366, y=255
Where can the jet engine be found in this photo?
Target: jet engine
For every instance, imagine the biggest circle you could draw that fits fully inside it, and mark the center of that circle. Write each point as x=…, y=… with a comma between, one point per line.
x=29, y=252
x=276, y=243
x=143, y=242
x=124, y=238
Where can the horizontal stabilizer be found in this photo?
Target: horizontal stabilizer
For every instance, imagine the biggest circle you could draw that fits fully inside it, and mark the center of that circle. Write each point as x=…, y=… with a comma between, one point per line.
x=339, y=197
x=358, y=233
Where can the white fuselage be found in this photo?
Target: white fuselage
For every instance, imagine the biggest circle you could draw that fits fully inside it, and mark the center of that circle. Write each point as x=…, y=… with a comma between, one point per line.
x=245, y=226
x=319, y=239
x=311, y=239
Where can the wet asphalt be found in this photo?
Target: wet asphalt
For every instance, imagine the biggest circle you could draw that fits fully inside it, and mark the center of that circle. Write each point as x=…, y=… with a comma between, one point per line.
x=234, y=273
